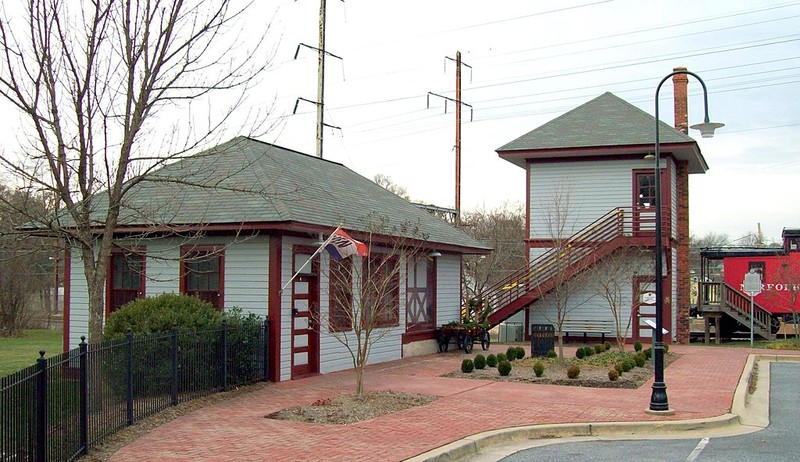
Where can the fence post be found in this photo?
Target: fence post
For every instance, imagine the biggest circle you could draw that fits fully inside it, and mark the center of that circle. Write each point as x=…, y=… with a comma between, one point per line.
x=84, y=396
x=41, y=408
x=265, y=372
x=129, y=397
x=224, y=341
x=174, y=365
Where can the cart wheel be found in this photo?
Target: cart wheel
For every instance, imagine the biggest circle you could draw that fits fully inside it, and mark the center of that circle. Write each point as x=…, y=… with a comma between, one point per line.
x=485, y=341
x=460, y=341
x=468, y=343
x=440, y=340
x=446, y=343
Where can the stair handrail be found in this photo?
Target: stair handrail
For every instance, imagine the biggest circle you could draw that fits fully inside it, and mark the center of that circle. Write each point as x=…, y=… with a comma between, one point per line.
x=517, y=284
x=741, y=303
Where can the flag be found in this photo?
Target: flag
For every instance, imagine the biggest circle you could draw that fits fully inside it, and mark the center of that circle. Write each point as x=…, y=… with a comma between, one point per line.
x=340, y=246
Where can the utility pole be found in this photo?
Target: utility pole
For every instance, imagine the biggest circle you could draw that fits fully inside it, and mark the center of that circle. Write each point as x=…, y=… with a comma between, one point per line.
x=458, y=104
x=320, y=102
x=321, y=77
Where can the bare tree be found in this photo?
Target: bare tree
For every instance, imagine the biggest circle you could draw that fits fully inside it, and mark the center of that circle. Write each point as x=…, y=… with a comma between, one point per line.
x=785, y=290
x=386, y=182
x=612, y=279
x=96, y=82
x=503, y=229
x=26, y=267
x=365, y=294
x=559, y=273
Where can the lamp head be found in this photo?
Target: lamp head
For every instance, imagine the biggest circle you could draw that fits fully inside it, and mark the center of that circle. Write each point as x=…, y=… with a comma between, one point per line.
x=707, y=128
x=434, y=254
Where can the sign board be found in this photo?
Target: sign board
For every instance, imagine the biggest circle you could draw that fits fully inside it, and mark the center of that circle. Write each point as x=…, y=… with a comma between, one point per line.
x=652, y=324
x=752, y=283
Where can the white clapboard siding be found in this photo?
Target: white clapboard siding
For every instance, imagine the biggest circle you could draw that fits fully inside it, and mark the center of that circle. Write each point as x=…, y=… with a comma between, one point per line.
x=448, y=288
x=78, y=301
x=592, y=188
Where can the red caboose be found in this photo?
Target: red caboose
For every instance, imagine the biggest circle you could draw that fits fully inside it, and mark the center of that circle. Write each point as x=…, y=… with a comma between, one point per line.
x=722, y=301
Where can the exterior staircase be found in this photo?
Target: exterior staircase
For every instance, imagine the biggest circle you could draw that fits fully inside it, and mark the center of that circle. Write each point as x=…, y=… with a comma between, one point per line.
x=720, y=298
x=622, y=226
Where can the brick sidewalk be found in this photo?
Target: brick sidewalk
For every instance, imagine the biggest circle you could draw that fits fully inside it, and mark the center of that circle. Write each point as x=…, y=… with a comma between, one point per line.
x=700, y=384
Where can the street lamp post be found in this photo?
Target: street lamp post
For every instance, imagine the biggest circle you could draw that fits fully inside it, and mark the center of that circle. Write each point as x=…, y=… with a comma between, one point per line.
x=658, y=398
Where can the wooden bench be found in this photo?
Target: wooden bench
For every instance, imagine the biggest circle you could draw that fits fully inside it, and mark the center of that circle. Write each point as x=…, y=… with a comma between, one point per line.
x=588, y=326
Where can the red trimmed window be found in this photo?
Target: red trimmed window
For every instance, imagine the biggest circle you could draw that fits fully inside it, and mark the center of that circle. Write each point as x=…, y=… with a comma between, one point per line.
x=202, y=270
x=340, y=295
x=380, y=285
x=126, y=278
x=420, y=295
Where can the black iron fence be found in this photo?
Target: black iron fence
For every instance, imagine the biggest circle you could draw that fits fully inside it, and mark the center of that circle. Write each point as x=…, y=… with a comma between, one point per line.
x=59, y=408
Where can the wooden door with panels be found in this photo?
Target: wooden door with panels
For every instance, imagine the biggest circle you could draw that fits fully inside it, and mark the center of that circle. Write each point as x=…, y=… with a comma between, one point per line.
x=305, y=315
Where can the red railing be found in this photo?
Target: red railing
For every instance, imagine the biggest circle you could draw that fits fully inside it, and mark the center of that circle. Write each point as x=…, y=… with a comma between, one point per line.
x=568, y=257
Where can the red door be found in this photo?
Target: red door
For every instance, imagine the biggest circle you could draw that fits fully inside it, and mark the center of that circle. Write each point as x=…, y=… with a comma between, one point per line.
x=305, y=316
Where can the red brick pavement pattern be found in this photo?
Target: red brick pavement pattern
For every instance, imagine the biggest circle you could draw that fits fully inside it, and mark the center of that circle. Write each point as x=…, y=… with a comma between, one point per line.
x=701, y=383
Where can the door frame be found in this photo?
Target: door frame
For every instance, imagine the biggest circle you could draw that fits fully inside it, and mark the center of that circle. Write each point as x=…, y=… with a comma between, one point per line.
x=666, y=312
x=638, y=211
x=310, y=276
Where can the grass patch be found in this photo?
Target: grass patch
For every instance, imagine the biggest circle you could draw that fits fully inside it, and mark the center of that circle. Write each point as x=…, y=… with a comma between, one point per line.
x=20, y=352
x=781, y=344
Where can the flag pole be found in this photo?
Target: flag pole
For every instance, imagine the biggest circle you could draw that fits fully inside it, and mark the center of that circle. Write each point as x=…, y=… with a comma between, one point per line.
x=316, y=252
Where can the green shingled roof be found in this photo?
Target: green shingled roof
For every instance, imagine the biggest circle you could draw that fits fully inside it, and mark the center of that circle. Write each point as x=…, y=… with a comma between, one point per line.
x=607, y=120
x=245, y=181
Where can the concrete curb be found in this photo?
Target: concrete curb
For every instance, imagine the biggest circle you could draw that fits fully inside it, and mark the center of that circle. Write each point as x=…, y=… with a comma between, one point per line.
x=749, y=413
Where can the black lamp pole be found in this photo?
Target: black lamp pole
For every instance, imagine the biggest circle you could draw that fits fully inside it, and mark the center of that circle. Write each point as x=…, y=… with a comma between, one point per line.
x=658, y=398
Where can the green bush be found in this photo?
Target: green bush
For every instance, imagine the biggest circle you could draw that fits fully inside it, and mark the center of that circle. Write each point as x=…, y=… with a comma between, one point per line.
x=480, y=361
x=580, y=353
x=160, y=314
x=607, y=345
x=511, y=353
x=639, y=359
x=599, y=348
x=501, y=357
x=491, y=360
x=648, y=353
x=538, y=368
x=613, y=375
x=666, y=348
x=573, y=371
x=504, y=368
x=637, y=346
x=552, y=354
x=467, y=365
x=520, y=352
x=588, y=351
x=627, y=365
x=619, y=368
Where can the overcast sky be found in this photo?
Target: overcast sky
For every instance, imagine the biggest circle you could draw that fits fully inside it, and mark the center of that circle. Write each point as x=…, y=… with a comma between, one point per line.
x=531, y=61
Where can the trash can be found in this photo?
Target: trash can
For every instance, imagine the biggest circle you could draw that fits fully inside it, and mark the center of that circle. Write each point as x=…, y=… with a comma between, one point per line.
x=542, y=339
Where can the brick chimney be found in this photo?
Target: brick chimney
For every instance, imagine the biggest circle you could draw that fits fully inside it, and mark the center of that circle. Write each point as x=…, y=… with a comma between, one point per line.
x=679, y=84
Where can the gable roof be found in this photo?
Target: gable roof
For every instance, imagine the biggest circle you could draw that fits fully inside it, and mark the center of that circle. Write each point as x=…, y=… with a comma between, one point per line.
x=605, y=125
x=246, y=181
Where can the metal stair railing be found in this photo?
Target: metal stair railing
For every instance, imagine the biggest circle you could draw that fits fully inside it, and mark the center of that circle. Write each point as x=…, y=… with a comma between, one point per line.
x=572, y=252
x=737, y=305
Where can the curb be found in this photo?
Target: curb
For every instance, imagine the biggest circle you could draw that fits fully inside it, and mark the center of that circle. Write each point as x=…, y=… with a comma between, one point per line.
x=749, y=413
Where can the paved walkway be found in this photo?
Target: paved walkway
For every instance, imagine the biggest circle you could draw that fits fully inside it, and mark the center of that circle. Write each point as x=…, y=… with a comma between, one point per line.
x=700, y=384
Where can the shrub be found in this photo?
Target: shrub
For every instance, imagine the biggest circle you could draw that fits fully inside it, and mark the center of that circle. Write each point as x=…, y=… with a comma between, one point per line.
x=538, y=368
x=619, y=368
x=637, y=346
x=613, y=375
x=491, y=360
x=573, y=371
x=580, y=353
x=599, y=348
x=501, y=357
x=607, y=345
x=467, y=365
x=511, y=353
x=480, y=361
x=627, y=365
x=504, y=368
x=666, y=348
x=552, y=354
x=648, y=353
x=520, y=352
x=160, y=314
x=639, y=359
x=588, y=351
